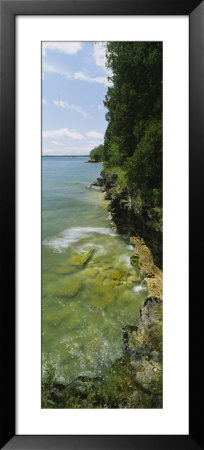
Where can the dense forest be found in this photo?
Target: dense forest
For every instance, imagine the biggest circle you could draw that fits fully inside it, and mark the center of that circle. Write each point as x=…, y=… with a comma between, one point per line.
x=96, y=153
x=133, y=138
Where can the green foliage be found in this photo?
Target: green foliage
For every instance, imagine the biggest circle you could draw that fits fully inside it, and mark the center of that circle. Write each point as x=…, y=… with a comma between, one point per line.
x=114, y=156
x=97, y=154
x=157, y=196
x=122, y=175
x=113, y=384
x=152, y=339
x=157, y=387
x=48, y=378
x=116, y=386
x=133, y=138
x=111, y=388
x=144, y=167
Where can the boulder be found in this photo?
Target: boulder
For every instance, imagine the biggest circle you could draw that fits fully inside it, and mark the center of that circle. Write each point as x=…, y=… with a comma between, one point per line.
x=81, y=259
x=68, y=288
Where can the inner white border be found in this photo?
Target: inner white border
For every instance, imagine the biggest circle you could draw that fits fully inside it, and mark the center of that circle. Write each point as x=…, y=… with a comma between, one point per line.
x=173, y=31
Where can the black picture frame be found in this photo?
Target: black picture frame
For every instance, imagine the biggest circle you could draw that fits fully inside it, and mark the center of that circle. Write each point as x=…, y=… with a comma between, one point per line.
x=9, y=9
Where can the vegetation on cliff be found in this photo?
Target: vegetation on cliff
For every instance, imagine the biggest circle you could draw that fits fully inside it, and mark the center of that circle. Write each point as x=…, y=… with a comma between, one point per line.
x=96, y=154
x=133, y=138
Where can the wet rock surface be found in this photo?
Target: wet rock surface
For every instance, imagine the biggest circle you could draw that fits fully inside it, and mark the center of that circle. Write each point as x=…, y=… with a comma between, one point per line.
x=142, y=359
x=142, y=345
x=143, y=348
x=130, y=216
x=150, y=273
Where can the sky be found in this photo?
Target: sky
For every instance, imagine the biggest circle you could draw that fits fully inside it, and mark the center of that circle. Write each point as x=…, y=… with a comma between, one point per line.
x=74, y=84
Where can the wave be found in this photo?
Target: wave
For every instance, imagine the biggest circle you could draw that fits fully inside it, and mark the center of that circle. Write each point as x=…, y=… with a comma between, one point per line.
x=125, y=260
x=95, y=187
x=130, y=247
x=101, y=250
x=138, y=288
x=71, y=235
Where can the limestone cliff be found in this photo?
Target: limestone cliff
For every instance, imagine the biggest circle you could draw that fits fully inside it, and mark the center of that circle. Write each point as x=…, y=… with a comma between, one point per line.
x=131, y=215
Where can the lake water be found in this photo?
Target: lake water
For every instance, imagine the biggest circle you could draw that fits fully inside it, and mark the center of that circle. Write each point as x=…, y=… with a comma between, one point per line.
x=84, y=306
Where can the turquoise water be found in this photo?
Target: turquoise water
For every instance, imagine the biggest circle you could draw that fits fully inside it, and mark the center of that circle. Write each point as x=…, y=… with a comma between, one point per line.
x=89, y=288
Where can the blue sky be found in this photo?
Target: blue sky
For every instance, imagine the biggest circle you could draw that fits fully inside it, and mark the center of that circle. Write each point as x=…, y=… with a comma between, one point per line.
x=74, y=83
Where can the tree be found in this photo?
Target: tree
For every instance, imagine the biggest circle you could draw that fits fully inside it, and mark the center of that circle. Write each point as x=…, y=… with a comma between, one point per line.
x=97, y=154
x=133, y=138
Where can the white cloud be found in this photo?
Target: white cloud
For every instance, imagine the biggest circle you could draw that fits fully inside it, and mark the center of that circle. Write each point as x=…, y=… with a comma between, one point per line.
x=62, y=133
x=64, y=104
x=82, y=76
x=100, y=54
x=80, y=111
x=71, y=150
x=60, y=103
x=66, y=47
x=44, y=102
x=48, y=68
x=94, y=134
x=59, y=144
x=100, y=59
x=101, y=107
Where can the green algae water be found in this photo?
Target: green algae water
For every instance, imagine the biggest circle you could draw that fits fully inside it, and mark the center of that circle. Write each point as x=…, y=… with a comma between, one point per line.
x=89, y=288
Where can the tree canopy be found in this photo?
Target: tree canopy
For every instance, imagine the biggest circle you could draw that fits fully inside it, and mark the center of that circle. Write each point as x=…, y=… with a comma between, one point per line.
x=97, y=153
x=133, y=138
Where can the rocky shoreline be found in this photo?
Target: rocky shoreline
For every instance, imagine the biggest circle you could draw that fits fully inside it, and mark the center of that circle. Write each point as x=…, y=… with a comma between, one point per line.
x=142, y=345
x=125, y=217
x=130, y=215
x=141, y=366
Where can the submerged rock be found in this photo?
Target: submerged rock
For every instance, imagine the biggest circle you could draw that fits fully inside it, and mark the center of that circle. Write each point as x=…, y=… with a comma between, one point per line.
x=107, y=266
x=68, y=288
x=119, y=275
x=133, y=279
x=98, y=298
x=63, y=270
x=111, y=283
x=81, y=259
x=56, y=315
x=91, y=272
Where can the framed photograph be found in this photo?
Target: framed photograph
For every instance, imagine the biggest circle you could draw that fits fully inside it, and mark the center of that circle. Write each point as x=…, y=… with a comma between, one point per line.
x=101, y=147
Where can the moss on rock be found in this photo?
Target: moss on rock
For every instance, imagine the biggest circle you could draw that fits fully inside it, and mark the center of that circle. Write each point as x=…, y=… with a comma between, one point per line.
x=110, y=283
x=119, y=274
x=68, y=288
x=91, y=272
x=107, y=266
x=81, y=259
x=64, y=270
x=134, y=260
x=101, y=299
x=133, y=279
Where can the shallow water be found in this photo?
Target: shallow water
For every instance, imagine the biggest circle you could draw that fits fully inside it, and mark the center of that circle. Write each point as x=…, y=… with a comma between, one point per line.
x=84, y=306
